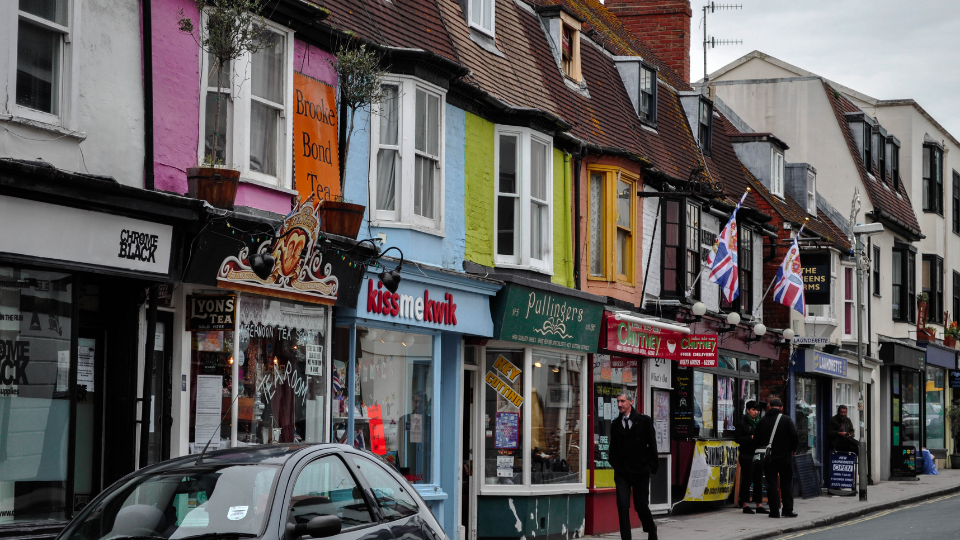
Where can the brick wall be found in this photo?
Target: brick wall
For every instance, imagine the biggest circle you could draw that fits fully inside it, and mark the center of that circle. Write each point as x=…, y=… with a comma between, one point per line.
x=662, y=25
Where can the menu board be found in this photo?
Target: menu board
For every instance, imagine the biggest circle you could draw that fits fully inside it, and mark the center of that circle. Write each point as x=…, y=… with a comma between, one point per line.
x=682, y=418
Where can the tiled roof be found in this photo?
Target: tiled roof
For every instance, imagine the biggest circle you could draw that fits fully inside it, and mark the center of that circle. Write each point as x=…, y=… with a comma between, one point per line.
x=894, y=204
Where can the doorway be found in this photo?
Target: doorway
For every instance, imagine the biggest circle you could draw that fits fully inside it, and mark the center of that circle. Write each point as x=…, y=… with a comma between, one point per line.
x=161, y=393
x=468, y=484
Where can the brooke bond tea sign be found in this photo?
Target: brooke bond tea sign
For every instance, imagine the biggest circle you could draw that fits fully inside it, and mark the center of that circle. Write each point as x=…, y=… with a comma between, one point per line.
x=697, y=350
x=315, y=157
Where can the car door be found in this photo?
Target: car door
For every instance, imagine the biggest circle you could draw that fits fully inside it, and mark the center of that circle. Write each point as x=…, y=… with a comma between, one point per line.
x=395, y=500
x=325, y=486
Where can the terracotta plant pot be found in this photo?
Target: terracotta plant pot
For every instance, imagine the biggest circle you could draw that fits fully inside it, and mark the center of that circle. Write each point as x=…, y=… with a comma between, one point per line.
x=949, y=341
x=923, y=335
x=217, y=186
x=341, y=218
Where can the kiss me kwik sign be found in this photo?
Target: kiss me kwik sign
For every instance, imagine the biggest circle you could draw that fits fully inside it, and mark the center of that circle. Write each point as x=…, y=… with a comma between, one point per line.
x=695, y=350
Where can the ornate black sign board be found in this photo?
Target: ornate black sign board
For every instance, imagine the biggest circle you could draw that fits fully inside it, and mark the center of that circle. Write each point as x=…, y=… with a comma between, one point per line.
x=212, y=312
x=817, y=278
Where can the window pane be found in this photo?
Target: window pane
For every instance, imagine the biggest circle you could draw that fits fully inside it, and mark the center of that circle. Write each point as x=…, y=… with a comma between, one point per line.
x=38, y=68
x=433, y=125
x=506, y=225
x=538, y=170
x=896, y=260
x=396, y=383
x=390, y=115
x=424, y=186
x=726, y=425
x=420, y=128
x=555, y=418
x=504, y=450
x=806, y=415
x=388, y=166
x=326, y=488
x=538, y=230
x=703, y=403
x=935, y=407
x=607, y=383
x=476, y=12
x=214, y=75
x=267, y=73
x=596, y=224
x=508, y=164
x=624, y=198
x=623, y=251
x=51, y=10
x=264, y=127
x=488, y=14
x=218, y=135
x=392, y=497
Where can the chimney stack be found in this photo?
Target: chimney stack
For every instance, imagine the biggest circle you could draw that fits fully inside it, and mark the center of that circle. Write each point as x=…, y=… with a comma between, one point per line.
x=662, y=25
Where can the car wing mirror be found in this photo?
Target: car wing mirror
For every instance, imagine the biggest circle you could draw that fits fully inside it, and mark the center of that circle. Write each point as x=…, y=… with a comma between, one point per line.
x=318, y=527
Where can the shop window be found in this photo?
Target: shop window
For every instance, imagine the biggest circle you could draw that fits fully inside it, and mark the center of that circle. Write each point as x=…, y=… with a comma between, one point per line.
x=608, y=382
x=726, y=421
x=934, y=418
x=910, y=413
x=211, y=383
x=932, y=284
x=36, y=324
x=503, y=421
x=325, y=487
x=846, y=394
x=703, y=417
x=612, y=214
x=806, y=416
x=394, y=371
x=555, y=418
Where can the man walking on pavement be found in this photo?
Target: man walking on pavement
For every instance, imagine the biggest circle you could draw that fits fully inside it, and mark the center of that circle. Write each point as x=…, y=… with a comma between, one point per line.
x=840, y=433
x=780, y=429
x=751, y=470
x=633, y=455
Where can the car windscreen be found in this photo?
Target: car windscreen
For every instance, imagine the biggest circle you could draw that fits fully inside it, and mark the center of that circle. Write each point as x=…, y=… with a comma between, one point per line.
x=229, y=500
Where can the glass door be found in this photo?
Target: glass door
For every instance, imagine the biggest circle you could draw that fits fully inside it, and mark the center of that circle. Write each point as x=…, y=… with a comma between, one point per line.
x=161, y=393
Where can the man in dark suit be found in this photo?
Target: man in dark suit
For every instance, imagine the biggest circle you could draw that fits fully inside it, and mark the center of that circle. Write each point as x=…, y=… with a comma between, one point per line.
x=779, y=471
x=633, y=455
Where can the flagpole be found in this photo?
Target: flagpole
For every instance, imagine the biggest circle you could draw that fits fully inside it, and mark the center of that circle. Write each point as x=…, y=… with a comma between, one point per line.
x=757, y=308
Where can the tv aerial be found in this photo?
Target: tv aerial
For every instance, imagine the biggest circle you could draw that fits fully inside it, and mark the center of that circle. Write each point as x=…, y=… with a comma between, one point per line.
x=712, y=42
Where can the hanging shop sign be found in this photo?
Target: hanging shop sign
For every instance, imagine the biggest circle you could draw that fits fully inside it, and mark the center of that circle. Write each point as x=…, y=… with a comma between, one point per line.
x=73, y=235
x=538, y=317
x=697, y=350
x=822, y=364
x=817, y=278
x=212, y=312
x=712, y=471
x=315, y=158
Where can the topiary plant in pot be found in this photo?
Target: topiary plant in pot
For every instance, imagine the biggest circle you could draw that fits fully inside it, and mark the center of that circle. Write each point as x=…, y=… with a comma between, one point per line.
x=230, y=29
x=953, y=416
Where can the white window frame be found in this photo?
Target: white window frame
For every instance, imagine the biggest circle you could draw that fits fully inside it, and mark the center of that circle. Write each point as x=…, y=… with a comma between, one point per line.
x=811, y=193
x=69, y=87
x=403, y=216
x=239, y=116
x=527, y=486
x=479, y=24
x=776, y=172
x=853, y=301
x=522, y=258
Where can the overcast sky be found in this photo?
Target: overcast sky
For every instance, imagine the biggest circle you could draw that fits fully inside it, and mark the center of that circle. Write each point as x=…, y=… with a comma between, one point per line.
x=887, y=49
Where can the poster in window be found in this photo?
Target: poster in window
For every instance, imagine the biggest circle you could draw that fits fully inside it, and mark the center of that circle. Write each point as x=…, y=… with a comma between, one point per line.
x=661, y=419
x=508, y=431
x=315, y=152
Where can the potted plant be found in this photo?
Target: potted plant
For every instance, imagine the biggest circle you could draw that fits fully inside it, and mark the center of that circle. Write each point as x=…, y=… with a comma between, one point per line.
x=232, y=28
x=359, y=79
x=927, y=333
x=922, y=301
x=950, y=335
x=952, y=415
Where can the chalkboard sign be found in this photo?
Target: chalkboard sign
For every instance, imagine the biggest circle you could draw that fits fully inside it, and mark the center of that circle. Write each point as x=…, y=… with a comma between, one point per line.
x=806, y=472
x=903, y=462
x=681, y=422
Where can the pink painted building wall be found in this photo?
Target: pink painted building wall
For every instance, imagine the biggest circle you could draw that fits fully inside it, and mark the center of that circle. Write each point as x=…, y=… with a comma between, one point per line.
x=176, y=79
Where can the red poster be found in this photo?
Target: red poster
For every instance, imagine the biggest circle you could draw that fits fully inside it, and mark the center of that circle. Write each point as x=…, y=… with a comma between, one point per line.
x=378, y=444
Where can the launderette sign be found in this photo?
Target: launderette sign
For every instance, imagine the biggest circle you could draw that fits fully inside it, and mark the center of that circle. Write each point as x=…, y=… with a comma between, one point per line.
x=824, y=364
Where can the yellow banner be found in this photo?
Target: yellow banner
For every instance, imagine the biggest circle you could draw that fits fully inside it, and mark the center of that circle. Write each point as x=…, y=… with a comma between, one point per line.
x=712, y=472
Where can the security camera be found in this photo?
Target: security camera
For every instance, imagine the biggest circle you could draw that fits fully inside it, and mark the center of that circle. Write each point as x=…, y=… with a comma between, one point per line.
x=868, y=229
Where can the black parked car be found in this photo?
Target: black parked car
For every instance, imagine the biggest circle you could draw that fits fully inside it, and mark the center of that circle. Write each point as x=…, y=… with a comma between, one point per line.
x=274, y=492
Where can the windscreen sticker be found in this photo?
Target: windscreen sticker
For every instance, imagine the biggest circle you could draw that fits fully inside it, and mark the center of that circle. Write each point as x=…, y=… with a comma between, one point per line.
x=237, y=512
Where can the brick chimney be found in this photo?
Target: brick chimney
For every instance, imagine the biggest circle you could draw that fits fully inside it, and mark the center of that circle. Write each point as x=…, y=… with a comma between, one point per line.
x=662, y=25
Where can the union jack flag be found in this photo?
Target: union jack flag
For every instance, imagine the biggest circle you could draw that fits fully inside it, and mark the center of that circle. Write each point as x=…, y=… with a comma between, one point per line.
x=359, y=442
x=723, y=258
x=788, y=285
x=337, y=387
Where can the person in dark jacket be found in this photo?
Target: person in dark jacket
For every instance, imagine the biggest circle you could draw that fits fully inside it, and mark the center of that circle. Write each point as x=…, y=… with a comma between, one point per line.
x=751, y=471
x=779, y=471
x=840, y=432
x=633, y=455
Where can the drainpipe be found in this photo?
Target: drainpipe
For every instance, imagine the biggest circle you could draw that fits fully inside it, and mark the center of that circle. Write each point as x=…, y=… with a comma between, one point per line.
x=148, y=158
x=577, y=165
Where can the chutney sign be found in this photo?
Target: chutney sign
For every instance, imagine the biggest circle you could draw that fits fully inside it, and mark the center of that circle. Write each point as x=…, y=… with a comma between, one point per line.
x=695, y=350
x=315, y=157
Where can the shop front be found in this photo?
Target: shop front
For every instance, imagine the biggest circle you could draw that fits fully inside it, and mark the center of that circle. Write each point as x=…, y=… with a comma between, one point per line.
x=940, y=361
x=901, y=401
x=531, y=425
x=75, y=265
x=399, y=377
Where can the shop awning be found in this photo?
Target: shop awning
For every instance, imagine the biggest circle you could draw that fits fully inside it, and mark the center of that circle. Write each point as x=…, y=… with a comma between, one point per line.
x=901, y=353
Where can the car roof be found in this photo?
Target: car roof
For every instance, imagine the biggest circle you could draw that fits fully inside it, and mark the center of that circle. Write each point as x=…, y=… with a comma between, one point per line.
x=262, y=454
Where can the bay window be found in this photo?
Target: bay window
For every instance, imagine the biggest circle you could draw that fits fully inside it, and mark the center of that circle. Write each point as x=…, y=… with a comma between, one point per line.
x=524, y=195
x=249, y=121
x=406, y=158
x=612, y=214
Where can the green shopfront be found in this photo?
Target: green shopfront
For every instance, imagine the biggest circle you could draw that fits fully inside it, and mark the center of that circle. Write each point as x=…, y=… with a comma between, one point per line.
x=531, y=412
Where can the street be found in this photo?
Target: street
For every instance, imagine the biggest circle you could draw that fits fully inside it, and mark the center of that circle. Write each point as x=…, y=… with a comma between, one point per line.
x=927, y=519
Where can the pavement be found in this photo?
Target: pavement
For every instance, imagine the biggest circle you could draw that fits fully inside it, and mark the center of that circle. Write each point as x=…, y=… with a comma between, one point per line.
x=722, y=523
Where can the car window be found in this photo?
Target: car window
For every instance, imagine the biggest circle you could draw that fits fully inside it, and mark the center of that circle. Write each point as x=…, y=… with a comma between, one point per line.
x=326, y=488
x=393, y=498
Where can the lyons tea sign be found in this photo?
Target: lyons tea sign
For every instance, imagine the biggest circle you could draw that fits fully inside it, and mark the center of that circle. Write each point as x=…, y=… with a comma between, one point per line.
x=696, y=350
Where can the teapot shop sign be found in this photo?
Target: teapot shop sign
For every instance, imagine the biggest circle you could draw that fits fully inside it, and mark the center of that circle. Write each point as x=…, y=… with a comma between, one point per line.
x=695, y=350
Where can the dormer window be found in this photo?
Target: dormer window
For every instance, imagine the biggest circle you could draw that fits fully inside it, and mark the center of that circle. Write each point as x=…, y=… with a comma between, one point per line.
x=482, y=15
x=811, y=193
x=640, y=82
x=704, y=133
x=570, y=47
x=895, y=166
x=867, y=146
x=648, y=94
x=776, y=172
x=882, y=159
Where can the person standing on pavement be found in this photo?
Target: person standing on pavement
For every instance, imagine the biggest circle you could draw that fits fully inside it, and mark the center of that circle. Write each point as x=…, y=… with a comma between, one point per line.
x=840, y=433
x=751, y=470
x=778, y=470
x=633, y=455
